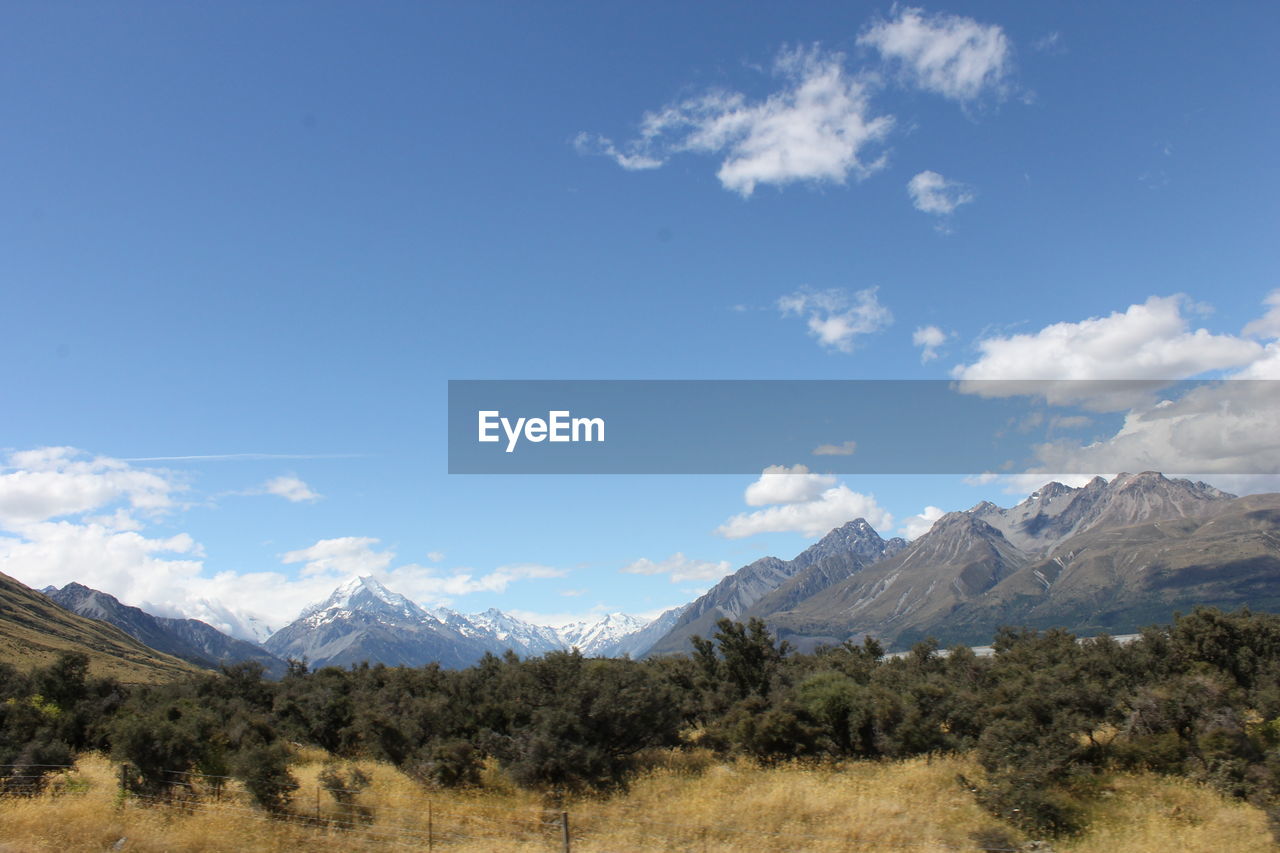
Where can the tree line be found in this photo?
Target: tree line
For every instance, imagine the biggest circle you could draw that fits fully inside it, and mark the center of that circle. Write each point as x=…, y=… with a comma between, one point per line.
x=1047, y=716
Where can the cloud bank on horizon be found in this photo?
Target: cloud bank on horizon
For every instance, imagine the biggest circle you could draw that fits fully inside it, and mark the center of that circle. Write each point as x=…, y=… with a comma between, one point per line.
x=66, y=515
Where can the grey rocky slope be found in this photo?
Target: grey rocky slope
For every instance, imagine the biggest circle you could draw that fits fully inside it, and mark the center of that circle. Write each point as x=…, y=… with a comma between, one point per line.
x=188, y=639
x=842, y=552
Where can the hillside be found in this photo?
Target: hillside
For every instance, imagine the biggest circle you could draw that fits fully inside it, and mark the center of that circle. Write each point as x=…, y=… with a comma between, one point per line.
x=34, y=631
x=189, y=639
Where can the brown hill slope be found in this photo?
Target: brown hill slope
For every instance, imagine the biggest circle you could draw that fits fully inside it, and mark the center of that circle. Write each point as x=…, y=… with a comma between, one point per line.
x=34, y=631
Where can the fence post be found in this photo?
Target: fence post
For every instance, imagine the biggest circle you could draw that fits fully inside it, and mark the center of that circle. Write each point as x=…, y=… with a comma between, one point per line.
x=564, y=830
x=431, y=841
x=124, y=779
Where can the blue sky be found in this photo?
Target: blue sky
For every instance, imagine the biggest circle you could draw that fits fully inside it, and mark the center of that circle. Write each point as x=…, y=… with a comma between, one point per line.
x=281, y=229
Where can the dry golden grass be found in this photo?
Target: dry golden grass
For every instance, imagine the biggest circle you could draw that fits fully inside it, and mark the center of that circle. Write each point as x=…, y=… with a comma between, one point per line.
x=910, y=805
x=1155, y=814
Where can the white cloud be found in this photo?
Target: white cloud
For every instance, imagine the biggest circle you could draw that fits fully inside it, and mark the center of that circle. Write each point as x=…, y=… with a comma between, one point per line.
x=815, y=128
x=844, y=448
x=952, y=56
x=59, y=552
x=916, y=526
x=242, y=457
x=594, y=143
x=53, y=549
x=829, y=509
x=435, y=556
x=834, y=317
x=426, y=584
x=347, y=555
x=166, y=575
x=1267, y=326
x=53, y=482
x=1226, y=428
x=119, y=521
x=1153, y=340
x=779, y=484
x=932, y=193
x=1223, y=429
x=290, y=488
x=680, y=568
x=1050, y=43
x=1267, y=366
x=928, y=338
x=1024, y=484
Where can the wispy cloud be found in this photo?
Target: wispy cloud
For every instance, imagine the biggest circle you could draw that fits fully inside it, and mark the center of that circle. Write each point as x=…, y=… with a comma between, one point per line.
x=242, y=457
x=816, y=127
x=346, y=555
x=679, y=568
x=928, y=338
x=844, y=448
x=950, y=55
x=290, y=488
x=835, y=317
x=932, y=193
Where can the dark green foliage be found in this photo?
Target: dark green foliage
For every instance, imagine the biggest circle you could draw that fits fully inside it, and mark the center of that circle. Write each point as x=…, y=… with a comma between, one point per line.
x=748, y=657
x=771, y=732
x=46, y=716
x=449, y=764
x=264, y=770
x=1047, y=716
x=581, y=722
x=164, y=744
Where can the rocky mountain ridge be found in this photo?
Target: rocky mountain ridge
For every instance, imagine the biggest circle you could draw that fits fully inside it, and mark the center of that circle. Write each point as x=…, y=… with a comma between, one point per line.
x=1108, y=556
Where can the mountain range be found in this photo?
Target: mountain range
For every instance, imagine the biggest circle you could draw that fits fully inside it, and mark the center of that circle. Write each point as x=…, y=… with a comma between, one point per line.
x=769, y=584
x=363, y=620
x=1109, y=556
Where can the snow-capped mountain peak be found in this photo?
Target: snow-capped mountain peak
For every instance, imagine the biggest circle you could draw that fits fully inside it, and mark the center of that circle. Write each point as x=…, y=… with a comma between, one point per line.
x=367, y=595
x=363, y=609
x=600, y=636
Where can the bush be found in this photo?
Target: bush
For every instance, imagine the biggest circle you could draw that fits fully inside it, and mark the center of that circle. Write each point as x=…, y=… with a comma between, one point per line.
x=264, y=770
x=450, y=764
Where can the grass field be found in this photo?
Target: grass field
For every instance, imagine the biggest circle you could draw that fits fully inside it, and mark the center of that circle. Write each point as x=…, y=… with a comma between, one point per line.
x=689, y=803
